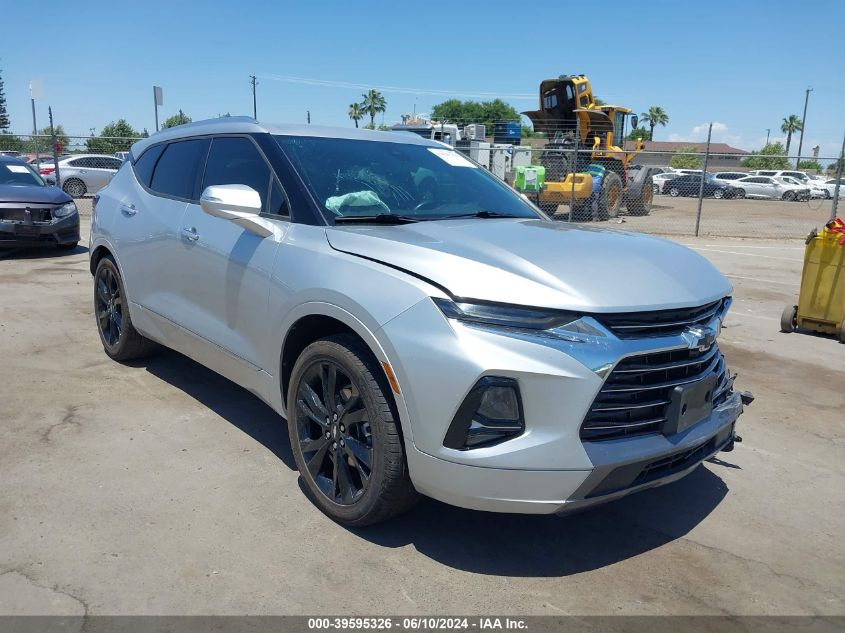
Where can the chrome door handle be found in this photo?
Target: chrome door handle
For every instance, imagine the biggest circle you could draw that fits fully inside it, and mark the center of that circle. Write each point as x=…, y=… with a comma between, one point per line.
x=128, y=210
x=190, y=233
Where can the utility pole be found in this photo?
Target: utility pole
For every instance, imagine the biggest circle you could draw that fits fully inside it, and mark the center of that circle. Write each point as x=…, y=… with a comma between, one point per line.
x=803, y=127
x=55, y=147
x=838, y=180
x=254, y=102
x=34, y=127
x=768, y=131
x=308, y=116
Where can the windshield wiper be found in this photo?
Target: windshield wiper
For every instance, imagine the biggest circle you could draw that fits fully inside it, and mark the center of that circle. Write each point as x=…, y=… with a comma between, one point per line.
x=381, y=218
x=481, y=214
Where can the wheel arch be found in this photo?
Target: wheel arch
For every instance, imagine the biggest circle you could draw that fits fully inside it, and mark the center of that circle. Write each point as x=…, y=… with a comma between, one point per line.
x=96, y=255
x=313, y=321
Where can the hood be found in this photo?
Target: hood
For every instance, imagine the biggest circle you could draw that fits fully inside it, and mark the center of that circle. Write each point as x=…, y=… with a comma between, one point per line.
x=33, y=194
x=541, y=263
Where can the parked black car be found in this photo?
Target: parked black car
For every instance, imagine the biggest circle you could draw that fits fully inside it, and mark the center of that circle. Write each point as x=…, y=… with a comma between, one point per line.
x=690, y=185
x=33, y=213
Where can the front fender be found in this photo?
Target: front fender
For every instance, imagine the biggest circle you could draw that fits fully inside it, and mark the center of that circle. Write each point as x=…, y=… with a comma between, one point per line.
x=371, y=337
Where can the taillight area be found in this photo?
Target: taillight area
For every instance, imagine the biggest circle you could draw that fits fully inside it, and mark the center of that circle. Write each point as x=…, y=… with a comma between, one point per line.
x=47, y=170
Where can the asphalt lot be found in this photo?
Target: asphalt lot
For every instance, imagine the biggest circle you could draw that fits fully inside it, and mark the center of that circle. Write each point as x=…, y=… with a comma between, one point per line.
x=159, y=487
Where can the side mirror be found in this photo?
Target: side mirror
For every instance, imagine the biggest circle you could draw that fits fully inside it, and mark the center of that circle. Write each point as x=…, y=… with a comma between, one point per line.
x=238, y=203
x=634, y=121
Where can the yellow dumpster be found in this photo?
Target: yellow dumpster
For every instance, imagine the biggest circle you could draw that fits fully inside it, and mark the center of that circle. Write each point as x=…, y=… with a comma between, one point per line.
x=821, y=302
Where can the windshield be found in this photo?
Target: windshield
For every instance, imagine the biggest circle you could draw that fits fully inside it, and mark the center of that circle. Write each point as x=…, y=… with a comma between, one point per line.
x=354, y=178
x=19, y=175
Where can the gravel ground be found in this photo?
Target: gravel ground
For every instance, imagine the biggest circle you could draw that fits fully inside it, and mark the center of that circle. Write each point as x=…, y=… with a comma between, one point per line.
x=158, y=487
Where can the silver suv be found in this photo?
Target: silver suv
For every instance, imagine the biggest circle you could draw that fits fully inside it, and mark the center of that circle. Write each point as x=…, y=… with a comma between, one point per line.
x=421, y=326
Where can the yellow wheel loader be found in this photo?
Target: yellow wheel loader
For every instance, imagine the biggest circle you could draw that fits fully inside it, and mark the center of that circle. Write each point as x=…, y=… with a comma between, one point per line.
x=585, y=144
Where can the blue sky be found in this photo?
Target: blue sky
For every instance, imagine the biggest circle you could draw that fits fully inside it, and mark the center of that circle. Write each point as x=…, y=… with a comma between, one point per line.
x=742, y=65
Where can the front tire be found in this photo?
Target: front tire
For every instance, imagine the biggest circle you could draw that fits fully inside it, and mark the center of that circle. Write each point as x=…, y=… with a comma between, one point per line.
x=345, y=434
x=739, y=193
x=674, y=192
x=121, y=341
x=788, y=196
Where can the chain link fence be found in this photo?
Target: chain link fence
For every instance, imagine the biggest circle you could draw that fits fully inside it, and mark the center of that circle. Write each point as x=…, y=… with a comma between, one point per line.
x=81, y=165
x=685, y=192
x=653, y=197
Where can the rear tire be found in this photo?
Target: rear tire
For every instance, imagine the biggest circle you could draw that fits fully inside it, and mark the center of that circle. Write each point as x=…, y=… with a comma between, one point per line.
x=74, y=187
x=718, y=194
x=788, y=196
x=739, y=193
x=674, y=192
x=345, y=434
x=121, y=341
x=789, y=319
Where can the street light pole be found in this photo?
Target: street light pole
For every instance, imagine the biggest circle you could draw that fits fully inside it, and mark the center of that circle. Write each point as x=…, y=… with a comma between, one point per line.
x=803, y=126
x=768, y=131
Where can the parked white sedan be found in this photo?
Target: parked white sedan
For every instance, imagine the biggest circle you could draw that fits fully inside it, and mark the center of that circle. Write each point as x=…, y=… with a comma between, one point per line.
x=829, y=188
x=769, y=188
x=659, y=179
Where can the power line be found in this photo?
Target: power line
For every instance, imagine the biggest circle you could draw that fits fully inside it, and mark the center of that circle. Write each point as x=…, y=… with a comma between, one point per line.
x=325, y=83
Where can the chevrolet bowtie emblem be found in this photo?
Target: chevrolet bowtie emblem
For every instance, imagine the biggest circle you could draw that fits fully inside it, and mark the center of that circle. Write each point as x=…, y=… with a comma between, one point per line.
x=700, y=337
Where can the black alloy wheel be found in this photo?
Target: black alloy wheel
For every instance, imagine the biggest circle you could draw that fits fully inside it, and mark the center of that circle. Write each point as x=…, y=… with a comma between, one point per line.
x=334, y=432
x=108, y=306
x=345, y=433
x=121, y=341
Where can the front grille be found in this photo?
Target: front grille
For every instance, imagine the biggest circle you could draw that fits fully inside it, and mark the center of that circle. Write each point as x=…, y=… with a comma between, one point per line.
x=38, y=215
x=636, y=394
x=659, y=322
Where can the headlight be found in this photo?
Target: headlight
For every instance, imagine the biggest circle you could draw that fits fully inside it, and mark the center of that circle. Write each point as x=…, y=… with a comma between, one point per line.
x=69, y=208
x=506, y=315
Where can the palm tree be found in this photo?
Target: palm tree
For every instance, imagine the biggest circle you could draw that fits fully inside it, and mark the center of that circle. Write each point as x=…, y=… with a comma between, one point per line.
x=791, y=124
x=654, y=117
x=355, y=112
x=373, y=103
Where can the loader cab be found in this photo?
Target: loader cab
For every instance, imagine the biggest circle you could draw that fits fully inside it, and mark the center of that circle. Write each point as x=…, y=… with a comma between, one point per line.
x=559, y=101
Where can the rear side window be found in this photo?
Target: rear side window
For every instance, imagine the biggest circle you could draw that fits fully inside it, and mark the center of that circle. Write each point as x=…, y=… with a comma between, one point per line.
x=146, y=163
x=235, y=160
x=176, y=172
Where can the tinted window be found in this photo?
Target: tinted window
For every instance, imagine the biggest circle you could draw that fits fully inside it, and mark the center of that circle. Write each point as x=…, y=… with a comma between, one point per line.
x=236, y=161
x=79, y=162
x=176, y=171
x=278, y=204
x=146, y=163
x=111, y=163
